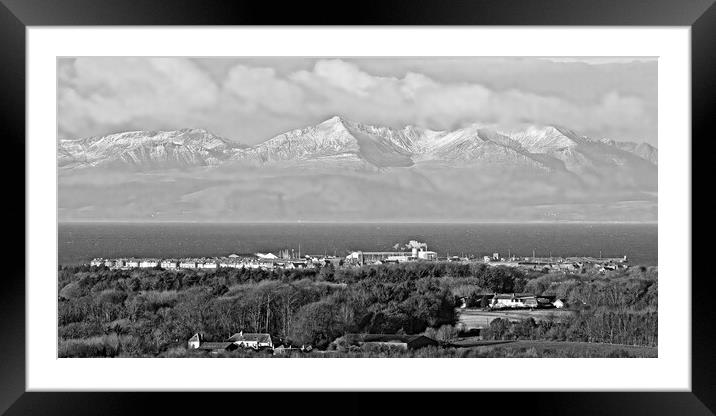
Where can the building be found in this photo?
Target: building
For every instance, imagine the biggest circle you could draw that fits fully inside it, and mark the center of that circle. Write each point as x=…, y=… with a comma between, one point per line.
x=217, y=346
x=252, y=340
x=559, y=303
x=427, y=255
x=406, y=342
x=169, y=264
x=418, y=251
x=197, y=342
x=187, y=265
x=148, y=263
x=514, y=300
x=267, y=256
x=97, y=262
x=131, y=263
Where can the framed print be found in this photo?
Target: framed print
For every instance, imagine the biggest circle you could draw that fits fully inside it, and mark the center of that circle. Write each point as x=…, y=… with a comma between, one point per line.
x=465, y=198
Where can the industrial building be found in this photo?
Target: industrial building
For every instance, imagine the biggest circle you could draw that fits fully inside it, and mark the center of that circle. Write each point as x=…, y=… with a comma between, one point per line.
x=415, y=251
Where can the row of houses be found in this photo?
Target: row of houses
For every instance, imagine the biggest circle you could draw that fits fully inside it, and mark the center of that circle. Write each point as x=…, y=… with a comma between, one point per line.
x=258, y=261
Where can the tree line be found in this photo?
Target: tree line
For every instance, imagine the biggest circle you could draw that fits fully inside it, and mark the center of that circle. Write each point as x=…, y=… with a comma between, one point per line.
x=147, y=312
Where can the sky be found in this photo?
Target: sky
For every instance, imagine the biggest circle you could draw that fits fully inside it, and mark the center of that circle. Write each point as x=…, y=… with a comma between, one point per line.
x=249, y=100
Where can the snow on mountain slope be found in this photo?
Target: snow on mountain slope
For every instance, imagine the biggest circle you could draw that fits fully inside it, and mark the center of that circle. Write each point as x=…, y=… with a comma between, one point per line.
x=354, y=145
x=334, y=138
x=643, y=150
x=147, y=149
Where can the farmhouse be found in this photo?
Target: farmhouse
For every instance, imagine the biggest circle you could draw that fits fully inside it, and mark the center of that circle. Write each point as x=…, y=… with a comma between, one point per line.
x=251, y=340
x=514, y=300
x=197, y=342
x=407, y=342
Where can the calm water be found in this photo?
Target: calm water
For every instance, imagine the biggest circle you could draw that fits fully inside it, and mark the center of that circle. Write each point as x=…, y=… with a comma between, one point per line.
x=80, y=242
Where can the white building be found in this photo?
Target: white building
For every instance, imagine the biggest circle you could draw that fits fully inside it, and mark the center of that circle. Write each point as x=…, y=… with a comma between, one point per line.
x=267, y=256
x=231, y=264
x=97, y=262
x=195, y=341
x=513, y=300
x=148, y=263
x=131, y=263
x=427, y=255
x=169, y=264
x=187, y=265
x=399, y=258
x=252, y=340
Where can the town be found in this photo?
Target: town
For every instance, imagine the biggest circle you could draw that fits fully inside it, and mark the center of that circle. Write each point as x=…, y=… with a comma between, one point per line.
x=413, y=251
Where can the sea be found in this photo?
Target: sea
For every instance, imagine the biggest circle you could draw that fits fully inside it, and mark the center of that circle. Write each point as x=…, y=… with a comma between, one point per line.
x=81, y=242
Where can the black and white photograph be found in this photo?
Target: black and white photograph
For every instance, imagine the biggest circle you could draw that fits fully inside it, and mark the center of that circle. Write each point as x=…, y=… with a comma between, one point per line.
x=357, y=207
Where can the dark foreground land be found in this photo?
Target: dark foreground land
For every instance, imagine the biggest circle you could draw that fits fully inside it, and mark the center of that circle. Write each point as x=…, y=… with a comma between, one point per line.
x=153, y=312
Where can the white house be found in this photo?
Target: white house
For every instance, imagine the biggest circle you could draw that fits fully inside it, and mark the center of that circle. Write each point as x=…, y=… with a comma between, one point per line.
x=195, y=341
x=252, y=340
x=131, y=263
x=96, y=262
x=187, y=265
x=559, y=303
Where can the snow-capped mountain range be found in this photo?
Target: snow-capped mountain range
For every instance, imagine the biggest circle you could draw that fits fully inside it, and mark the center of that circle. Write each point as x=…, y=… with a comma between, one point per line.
x=343, y=141
x=342, y=170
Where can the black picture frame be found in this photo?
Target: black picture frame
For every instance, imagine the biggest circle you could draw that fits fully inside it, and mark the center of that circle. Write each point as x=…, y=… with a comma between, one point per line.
x=16, y=15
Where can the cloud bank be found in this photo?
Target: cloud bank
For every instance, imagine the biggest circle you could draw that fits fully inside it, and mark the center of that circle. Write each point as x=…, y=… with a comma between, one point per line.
x=252, y=99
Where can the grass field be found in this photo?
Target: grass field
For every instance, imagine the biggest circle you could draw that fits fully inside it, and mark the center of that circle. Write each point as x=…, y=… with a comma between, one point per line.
x=477, y=318
x=530, y=348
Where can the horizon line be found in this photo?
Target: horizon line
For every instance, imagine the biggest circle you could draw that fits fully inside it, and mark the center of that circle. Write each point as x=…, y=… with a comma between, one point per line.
x=416, y=221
